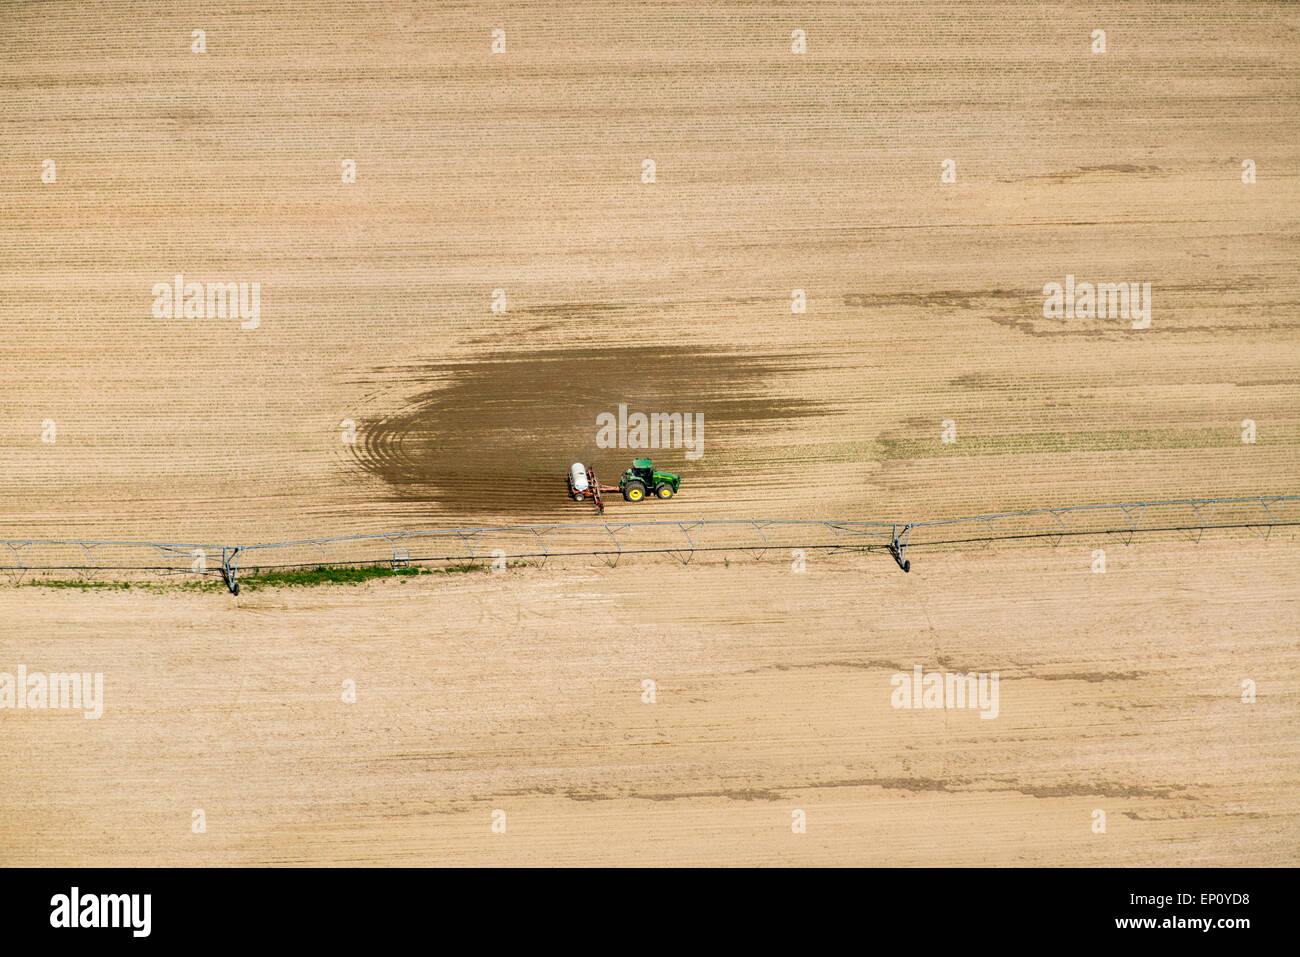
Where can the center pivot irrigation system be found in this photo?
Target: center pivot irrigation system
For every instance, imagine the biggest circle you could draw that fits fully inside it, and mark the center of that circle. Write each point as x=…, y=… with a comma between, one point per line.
x=1259, y=516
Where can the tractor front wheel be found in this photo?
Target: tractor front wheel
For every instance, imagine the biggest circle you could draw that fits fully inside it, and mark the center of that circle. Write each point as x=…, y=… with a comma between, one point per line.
x=664, y=490
x=634, y=491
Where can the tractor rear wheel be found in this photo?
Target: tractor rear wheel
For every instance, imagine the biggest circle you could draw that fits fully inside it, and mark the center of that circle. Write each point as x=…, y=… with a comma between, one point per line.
x=664, y=490
x=634, y=491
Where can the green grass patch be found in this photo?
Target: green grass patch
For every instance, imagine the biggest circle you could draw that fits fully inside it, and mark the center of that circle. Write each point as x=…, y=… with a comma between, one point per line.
x=254, y=578
x=191, y=585
x=1040, y=443
x=251, y=579
x=79, y=585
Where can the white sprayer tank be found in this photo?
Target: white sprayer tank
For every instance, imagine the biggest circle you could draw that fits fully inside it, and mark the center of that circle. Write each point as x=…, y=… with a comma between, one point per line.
x=579, y=473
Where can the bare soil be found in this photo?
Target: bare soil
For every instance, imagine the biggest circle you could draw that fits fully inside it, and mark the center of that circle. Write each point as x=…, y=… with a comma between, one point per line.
x=774, y=172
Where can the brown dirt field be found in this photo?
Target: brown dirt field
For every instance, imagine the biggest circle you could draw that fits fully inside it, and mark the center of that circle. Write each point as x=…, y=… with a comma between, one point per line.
x=521, y=692
x=521, y=172
x=775, y=172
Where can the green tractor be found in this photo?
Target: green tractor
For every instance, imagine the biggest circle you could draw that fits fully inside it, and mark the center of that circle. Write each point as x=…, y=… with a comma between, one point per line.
x=643, y=477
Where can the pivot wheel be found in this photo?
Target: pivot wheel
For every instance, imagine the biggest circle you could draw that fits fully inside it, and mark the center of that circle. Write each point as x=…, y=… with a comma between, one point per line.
x=664, y=490
x=634, y=491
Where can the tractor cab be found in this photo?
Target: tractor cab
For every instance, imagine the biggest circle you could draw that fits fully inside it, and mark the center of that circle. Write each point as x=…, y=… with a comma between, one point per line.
x=644, y=470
